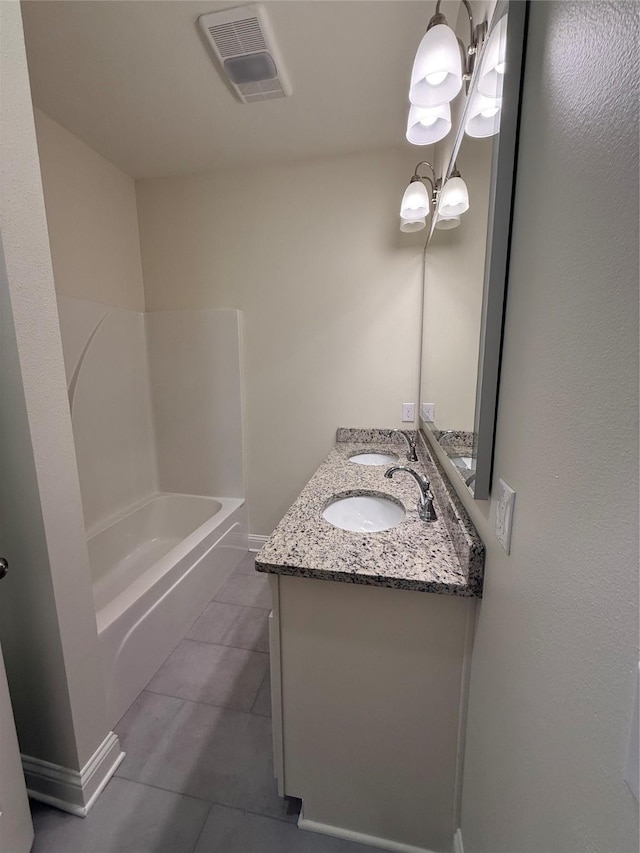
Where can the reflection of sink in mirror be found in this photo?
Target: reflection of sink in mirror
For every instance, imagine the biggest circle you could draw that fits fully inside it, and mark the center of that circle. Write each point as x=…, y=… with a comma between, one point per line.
x=374, y=457
x=465, y=462
x=364, y=513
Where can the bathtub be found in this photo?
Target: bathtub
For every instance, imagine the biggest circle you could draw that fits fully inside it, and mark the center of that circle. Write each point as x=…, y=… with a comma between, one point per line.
x=154, y=569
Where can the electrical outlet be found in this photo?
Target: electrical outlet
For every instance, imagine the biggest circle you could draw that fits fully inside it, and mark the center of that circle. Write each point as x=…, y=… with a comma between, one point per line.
x=505, y=500
x=408, y=413
x=428, y=412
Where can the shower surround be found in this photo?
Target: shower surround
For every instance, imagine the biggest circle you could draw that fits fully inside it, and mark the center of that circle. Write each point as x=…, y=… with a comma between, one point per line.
x=156, y=407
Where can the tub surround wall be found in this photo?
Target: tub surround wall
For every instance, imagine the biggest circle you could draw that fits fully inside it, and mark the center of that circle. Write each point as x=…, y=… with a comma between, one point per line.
x=156, y=404
x=108, y=374
x=47, y=623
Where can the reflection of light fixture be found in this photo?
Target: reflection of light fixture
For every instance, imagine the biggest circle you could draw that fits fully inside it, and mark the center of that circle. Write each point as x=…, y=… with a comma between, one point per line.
x=438, y=68
x=454, y=197
x=410, y=225
x=427, y=125
x=483, y=116
x=493, y=65
x=446, y=223
x=416, y=201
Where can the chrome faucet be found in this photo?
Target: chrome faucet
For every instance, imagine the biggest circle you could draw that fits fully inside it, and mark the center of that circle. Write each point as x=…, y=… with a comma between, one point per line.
x=426, y=509
x=445, y=435
x=410, y=438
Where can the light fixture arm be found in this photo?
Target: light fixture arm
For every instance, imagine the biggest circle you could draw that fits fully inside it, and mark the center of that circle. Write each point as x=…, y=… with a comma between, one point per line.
x=434, y=184
x=477, y=35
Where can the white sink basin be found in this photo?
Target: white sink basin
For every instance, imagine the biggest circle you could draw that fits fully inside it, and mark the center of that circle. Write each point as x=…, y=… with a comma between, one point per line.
x=465, y=462
x=364, y=513
x=373, y=457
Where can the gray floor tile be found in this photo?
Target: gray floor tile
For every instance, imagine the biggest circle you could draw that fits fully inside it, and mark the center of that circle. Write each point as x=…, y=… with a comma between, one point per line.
x=234, y=831
x=250, y=590
x=217, y=675
x=262, y=705
x=141, y=727
x=127, y=818
x=232, y=625
x=218, y=755
x=247, y=566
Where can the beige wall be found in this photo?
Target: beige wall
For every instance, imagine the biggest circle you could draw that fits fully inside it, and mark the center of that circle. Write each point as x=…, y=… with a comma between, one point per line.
x=555, y=658
x=92, y=220
x=329, y=289
x=47, y=620
x=453, y=282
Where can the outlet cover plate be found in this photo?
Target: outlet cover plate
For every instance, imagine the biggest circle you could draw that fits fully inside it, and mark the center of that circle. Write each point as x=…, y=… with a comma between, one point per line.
x=428, y=412
x=408, y=413
x=505, y=500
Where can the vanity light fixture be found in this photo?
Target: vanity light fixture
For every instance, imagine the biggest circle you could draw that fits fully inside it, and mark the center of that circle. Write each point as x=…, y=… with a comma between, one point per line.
x=454, y=197
x=483, y=116
x=491, y=77
x=447, y=223
x=411, y=225
x=416, y=201
x=427, y=125
x=439, y=68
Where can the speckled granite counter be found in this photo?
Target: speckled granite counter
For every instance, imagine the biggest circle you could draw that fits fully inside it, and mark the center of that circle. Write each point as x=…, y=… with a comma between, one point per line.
x=445, y=556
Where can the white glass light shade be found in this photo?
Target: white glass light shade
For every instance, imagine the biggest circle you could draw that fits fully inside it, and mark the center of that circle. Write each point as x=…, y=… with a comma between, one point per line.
x=427, y=125
x=494, y=58
x=446, y=224
x=416, y=202
x=436, y=77
x=454, y=198
x=409, y=225
x=483, y=116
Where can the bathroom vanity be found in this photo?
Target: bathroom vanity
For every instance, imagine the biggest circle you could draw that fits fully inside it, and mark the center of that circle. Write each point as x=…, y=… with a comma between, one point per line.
x=369, y=669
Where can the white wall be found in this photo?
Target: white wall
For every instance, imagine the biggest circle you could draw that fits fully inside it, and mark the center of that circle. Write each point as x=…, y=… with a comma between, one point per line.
x=47, y=622
x=92, y=220
x=329, y=290
x=555, y=658
x=453, y=282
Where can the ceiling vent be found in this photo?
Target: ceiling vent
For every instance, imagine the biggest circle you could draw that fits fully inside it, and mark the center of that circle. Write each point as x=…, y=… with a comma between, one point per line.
x=243, y=44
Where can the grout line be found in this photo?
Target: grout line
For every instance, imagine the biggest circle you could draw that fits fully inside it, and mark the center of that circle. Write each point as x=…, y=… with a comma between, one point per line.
x=211, y=802
x=205, y=704
x=204, y=823
x=262, y=683
x=222, y=646
x=252, y=606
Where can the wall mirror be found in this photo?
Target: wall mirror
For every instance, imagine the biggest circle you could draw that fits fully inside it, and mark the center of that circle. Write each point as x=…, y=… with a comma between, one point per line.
x=466, y=263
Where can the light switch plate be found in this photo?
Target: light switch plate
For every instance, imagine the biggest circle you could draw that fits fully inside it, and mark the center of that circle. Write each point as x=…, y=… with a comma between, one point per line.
x=428, y=412
x=408, y=413
x=505, y=500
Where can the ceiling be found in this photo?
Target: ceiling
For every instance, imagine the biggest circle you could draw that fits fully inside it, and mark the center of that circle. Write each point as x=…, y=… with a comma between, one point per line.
x=135, y=81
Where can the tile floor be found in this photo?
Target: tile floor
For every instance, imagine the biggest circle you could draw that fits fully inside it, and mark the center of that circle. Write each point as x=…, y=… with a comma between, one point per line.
x=198, y=775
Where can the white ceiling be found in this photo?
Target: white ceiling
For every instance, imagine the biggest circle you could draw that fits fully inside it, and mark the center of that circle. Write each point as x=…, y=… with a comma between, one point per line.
x=135, y=81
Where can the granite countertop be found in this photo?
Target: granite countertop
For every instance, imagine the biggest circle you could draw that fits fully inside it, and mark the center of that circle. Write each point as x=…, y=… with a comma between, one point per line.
x=445, y=556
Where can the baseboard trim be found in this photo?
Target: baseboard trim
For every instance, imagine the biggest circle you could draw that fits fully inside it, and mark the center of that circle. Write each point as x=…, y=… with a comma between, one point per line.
x=73, y=791
x=256, y=542
x=359, y=837
x=458, y=846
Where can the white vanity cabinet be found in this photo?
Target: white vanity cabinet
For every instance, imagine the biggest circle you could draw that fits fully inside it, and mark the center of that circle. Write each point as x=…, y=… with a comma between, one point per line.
x=368, y=688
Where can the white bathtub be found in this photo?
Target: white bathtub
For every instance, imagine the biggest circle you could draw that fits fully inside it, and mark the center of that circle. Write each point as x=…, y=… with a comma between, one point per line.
x=154, y=570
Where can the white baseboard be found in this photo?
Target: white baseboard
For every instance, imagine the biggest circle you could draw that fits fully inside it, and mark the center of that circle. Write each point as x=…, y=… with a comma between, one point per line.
x=72, y=790
x=358, y=837
x=457, y=842
x=256, y=542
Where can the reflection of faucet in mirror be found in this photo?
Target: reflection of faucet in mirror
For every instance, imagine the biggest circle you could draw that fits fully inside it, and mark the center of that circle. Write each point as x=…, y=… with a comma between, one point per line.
x=426, y=509
x=410, y=438
x=445, y=435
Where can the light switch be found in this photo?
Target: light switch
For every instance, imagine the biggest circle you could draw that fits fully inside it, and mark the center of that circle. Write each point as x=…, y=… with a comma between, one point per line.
x=505, y=500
